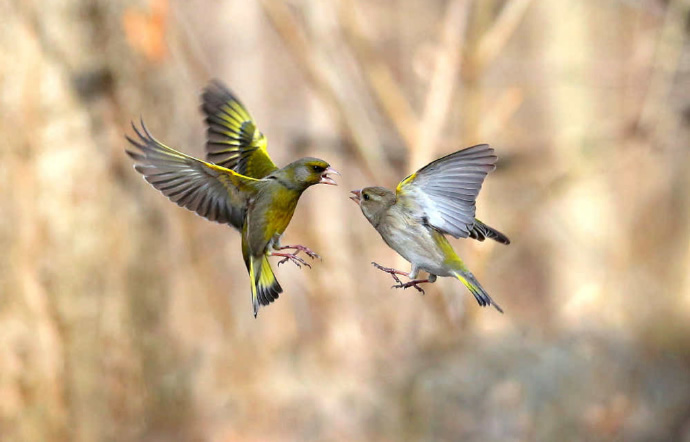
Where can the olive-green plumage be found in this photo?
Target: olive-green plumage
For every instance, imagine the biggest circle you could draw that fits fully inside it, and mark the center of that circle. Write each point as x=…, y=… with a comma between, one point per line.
x=239, y=185
x=436, y=200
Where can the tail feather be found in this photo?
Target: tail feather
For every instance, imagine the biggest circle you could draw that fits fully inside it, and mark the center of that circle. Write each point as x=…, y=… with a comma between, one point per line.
x=481, y=231
x=476, y=289
x=265, y=286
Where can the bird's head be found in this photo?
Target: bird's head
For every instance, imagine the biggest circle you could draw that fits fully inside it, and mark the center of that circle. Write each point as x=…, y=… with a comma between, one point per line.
x=308, y=171
x=374, y=201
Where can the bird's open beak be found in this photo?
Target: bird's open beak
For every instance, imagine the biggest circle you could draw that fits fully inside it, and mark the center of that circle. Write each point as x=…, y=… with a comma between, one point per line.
x=325, y=179
x=357, y=196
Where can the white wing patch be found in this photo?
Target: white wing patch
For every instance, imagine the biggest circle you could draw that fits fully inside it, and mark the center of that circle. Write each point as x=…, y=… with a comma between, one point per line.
x=445, y=190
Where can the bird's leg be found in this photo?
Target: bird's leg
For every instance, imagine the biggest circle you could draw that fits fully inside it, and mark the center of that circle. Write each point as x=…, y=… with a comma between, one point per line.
x=299, y=262
x=404, y=285
x=392, y=272
x=414, y=283
x=309, y=252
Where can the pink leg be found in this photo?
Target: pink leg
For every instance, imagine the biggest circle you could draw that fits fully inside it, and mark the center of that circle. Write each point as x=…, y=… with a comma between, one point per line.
x=401, y=285
x=414, y=283
x=391, y=271
x=299, y=262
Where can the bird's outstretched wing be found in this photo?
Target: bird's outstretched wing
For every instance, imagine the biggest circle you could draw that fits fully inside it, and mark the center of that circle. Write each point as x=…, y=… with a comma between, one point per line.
x=233, y=140
x=212, y=191
x=444, y=192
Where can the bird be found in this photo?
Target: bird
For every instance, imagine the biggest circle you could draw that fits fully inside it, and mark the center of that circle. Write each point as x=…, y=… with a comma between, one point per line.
x=437, y=200
x=238, y=185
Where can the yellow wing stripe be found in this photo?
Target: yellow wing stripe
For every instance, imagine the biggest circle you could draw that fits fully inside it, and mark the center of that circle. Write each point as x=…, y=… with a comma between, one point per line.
x=214, y=192
x=240, y=110
x=236, y=178
x=408, y=179
x=236, y=118
x=234, y=139
x=237, y=114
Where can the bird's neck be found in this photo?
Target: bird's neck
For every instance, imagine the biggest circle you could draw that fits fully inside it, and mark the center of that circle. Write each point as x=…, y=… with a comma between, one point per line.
x=292, y=185
x=376, y=217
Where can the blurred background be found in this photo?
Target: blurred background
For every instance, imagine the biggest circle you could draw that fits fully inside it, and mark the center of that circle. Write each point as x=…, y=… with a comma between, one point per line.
x=124, y=317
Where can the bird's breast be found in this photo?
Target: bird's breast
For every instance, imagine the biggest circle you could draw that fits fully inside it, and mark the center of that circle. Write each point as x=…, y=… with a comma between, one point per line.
x=268, y=216
x=279, y=212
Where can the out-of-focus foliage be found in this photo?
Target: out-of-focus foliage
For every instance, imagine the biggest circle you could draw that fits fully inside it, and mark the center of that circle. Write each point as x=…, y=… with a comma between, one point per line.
x=124, y=317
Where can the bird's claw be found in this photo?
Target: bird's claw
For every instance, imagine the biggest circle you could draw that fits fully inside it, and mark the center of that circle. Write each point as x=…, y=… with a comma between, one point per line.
x=296, y=260
x=395, y=278
x=391, y=271
x=414, y=283
x=307, y=251
x=401, y=285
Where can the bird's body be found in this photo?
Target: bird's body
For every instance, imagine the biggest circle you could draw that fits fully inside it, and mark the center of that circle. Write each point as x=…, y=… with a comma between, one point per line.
x=438, y=199
x=269, y=214
x=425, y=248
x=241, y=187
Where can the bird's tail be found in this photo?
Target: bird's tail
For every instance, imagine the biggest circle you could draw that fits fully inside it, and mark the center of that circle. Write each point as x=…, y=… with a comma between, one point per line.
x=265, y=287
x=481, y=231
x=483, y=298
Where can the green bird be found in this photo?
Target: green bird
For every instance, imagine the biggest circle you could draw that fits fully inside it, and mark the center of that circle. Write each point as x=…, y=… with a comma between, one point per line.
x=243, y=189
x=436, y=200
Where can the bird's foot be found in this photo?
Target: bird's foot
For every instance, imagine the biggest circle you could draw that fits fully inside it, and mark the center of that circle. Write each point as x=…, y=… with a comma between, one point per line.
x=391, y=271
x=414, y=283
x=307, y=251
x=292, y=257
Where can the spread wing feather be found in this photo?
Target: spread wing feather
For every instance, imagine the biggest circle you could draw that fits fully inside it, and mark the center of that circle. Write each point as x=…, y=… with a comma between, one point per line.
x=233, y=140
x=212, y=191
x=445, y=191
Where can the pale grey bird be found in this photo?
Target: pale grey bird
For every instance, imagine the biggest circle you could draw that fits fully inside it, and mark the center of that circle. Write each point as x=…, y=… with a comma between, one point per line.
x=436, y=200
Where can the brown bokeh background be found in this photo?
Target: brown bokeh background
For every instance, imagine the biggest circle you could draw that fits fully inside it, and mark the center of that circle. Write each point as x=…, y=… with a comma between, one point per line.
x=126, y=318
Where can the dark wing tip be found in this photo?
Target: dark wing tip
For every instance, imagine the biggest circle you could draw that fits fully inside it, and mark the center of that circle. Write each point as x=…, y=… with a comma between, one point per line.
x=215, y=95
x=217, y=84
x=214, y=87
x=481, y=231
x=139, y=143
x=134, y=155
x=133, y=142
x=137, y=130
x=144, y=141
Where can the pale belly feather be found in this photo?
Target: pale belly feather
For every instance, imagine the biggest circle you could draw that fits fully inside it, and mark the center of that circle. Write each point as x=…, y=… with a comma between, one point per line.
x=414, y=241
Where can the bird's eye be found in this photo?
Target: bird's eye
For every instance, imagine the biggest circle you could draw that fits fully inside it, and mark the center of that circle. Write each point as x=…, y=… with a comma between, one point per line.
x=318, y=169
x=366, y=197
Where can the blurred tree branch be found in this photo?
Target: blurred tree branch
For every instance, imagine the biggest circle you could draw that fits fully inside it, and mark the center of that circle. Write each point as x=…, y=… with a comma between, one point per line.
x=495, y=39
x=379, y=76
x=353, y=120
x=669, y=47
x=442, y=83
